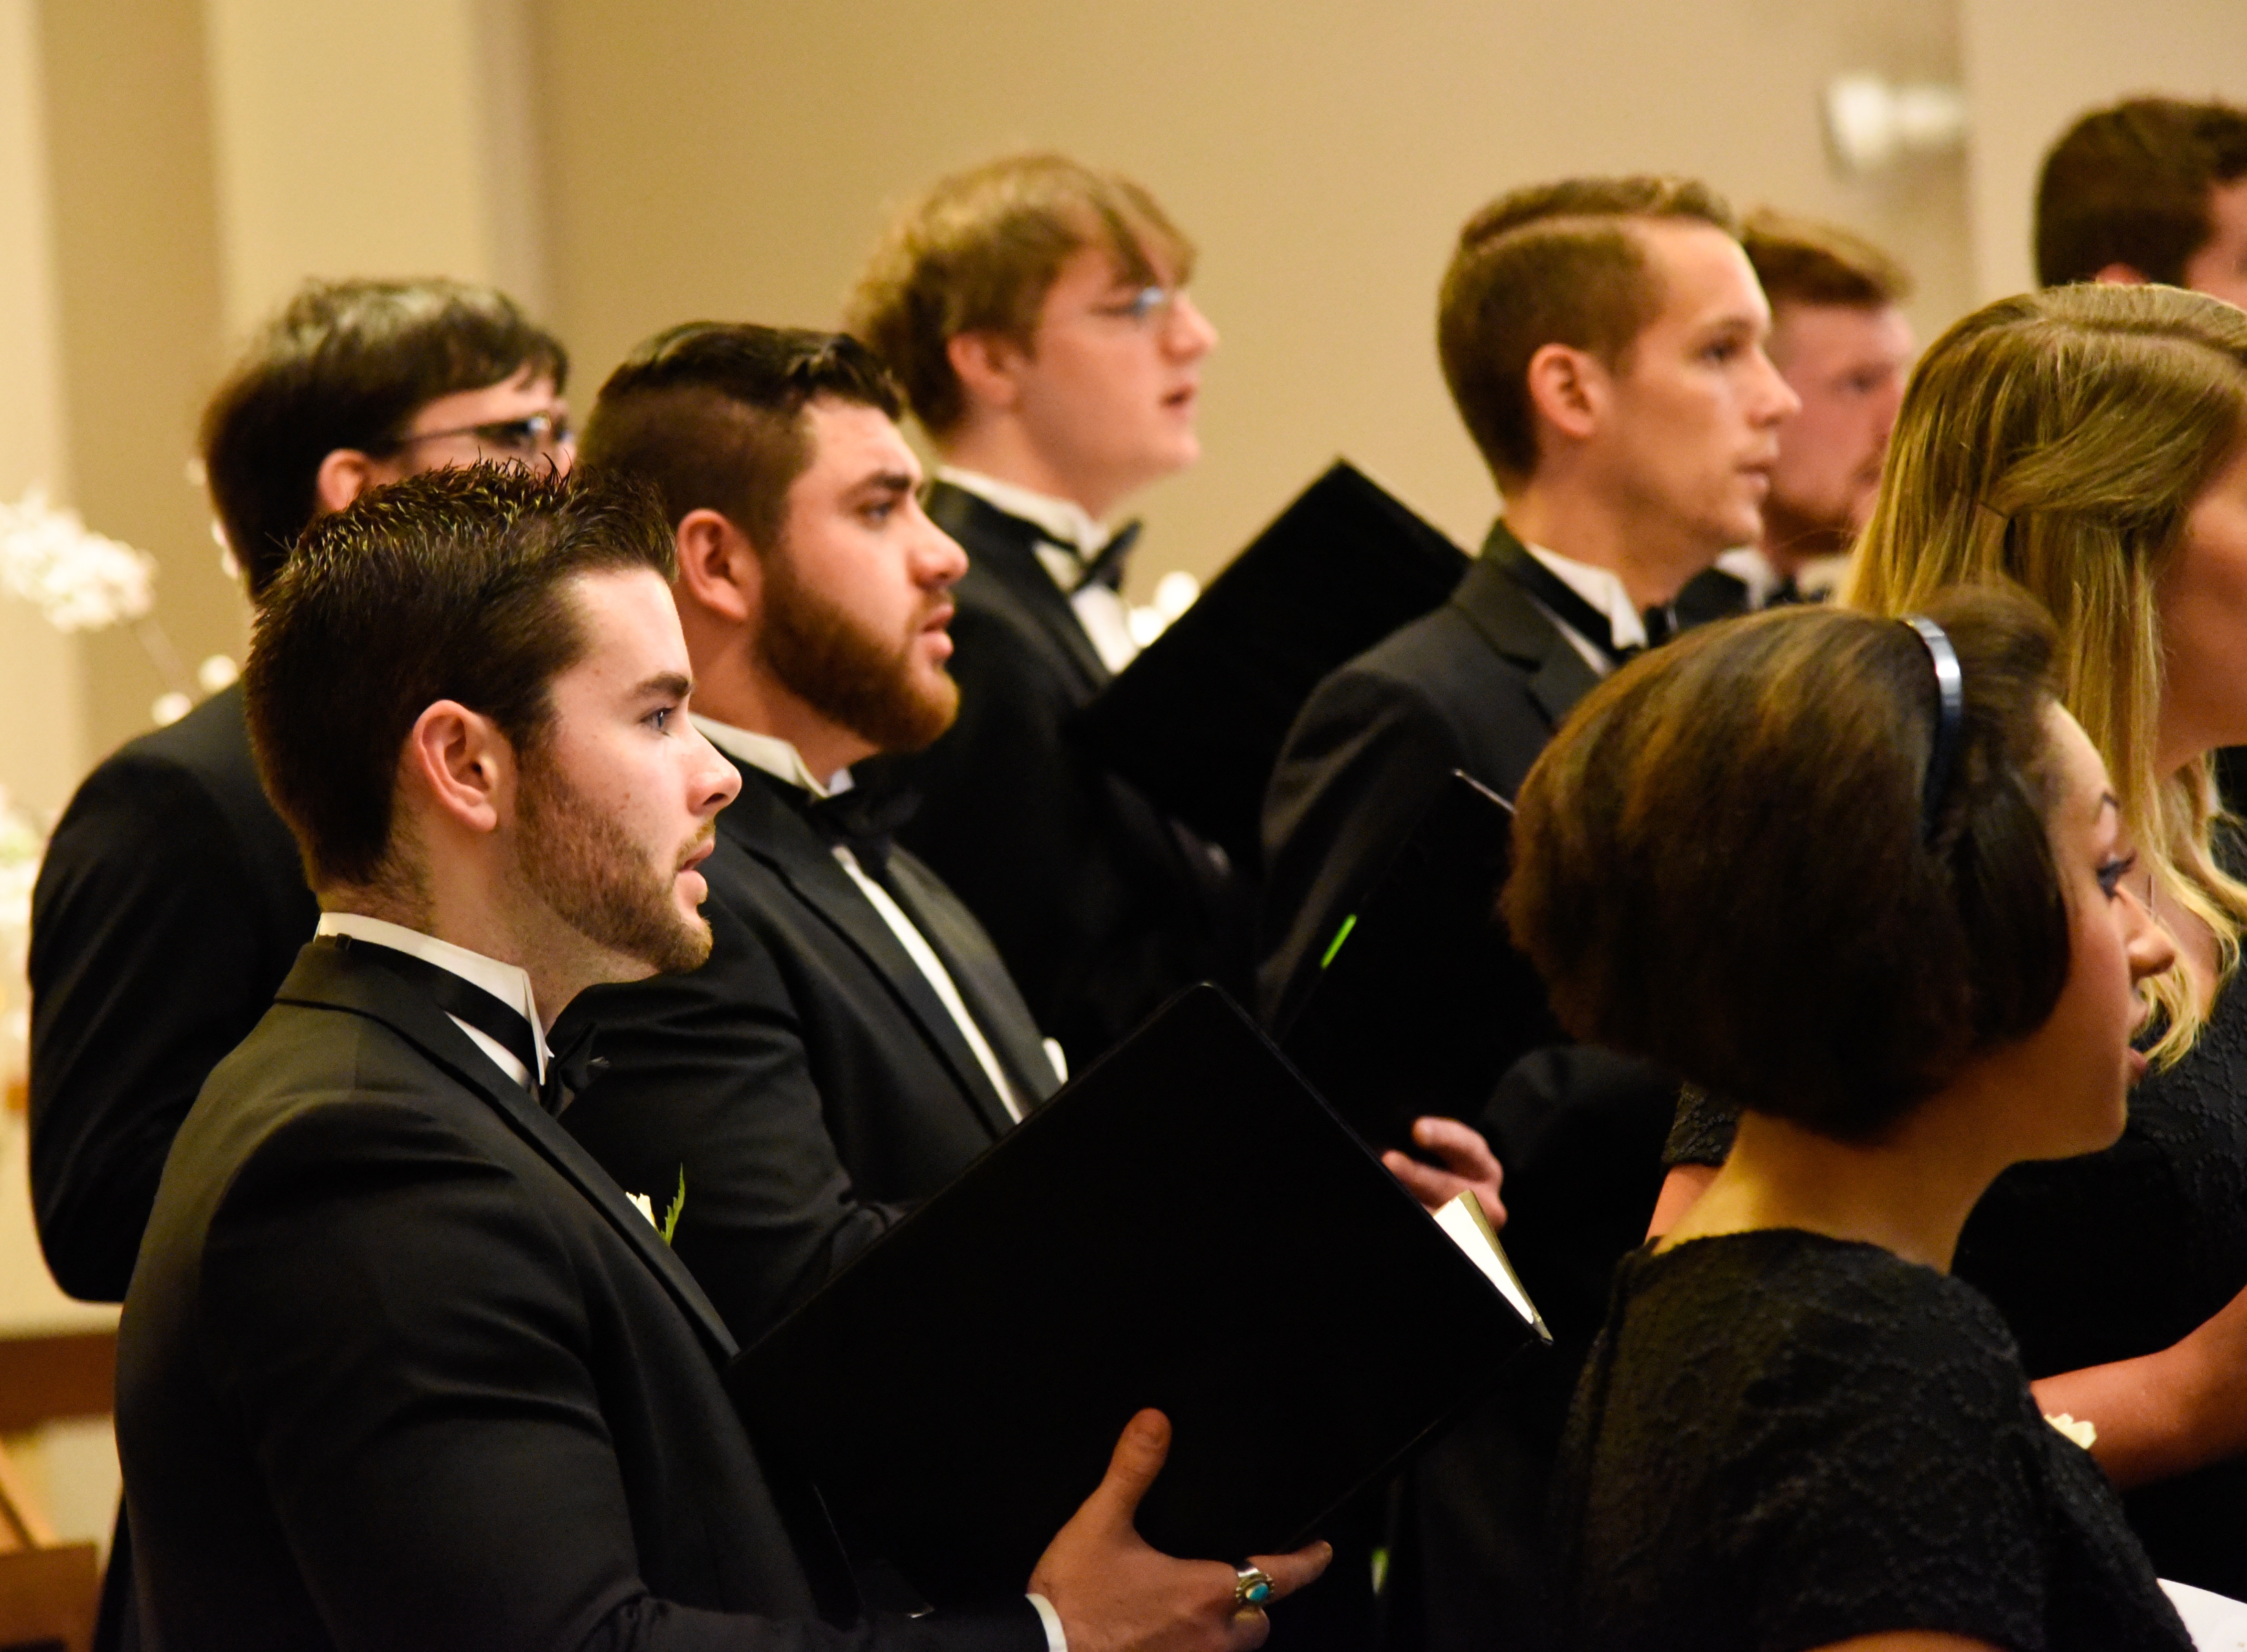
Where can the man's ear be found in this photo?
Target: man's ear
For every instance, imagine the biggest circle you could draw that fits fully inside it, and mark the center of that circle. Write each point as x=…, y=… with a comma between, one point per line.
x=344, y=475
x=1568, y=389
x=985, y=364
x=719, y=570
x=2122, y=275
x=459, y=767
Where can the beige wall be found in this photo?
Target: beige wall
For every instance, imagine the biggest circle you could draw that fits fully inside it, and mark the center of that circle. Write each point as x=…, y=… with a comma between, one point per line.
x=735, y=160
x=2027, y=81
x=41, y=743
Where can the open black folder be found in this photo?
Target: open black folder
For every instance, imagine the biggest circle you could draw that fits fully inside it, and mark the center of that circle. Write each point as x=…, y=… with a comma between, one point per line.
x=1422, y=1002
x=1184, y=1226
x=1197, y=720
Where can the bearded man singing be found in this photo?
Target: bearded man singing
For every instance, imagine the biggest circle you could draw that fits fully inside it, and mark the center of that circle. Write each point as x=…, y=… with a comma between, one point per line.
x=400, y=1365
x=854, y=1040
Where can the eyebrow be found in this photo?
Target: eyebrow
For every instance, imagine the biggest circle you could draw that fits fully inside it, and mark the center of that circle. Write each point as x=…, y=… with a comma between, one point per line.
x=884, y=481
x=666, y=685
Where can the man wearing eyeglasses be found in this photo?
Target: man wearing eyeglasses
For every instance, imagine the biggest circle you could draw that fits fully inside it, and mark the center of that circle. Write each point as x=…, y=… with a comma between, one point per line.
x=171, y=902
x=1035, y=311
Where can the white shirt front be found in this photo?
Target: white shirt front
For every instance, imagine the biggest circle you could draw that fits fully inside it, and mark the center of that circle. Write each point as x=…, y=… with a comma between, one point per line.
x=1104, y=614
x=779, y=759
x=1603, y=589
x=507, y=982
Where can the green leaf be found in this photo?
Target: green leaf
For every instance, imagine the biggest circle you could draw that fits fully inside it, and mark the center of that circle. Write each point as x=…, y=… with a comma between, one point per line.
x=678, y=1204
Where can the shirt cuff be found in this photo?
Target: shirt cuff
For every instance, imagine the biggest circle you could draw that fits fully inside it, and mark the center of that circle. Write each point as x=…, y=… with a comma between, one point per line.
x=1057, y=1637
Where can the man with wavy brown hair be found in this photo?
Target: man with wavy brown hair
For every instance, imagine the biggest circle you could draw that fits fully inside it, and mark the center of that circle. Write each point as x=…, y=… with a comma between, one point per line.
x=2148, y=189
x=1034, y=312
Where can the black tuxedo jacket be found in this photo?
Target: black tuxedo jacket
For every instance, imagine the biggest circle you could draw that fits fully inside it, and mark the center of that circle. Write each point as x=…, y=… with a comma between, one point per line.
x=1478, y=684
x=401, y=1367
x=1101, y=905
x=807, y=1079
x=170, y=906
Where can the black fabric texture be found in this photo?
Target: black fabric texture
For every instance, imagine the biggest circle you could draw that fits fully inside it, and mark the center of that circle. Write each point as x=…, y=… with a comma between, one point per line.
x=1784, y=1441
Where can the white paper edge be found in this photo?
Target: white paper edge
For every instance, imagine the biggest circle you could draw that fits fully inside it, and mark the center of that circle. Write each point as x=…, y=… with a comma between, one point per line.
x=1465, y=1232
x=2217, y=1622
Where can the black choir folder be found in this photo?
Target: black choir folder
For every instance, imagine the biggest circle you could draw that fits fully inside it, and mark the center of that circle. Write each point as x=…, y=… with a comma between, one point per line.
x=1197, y=720
x=1184, y=1226
x=1422, y=1001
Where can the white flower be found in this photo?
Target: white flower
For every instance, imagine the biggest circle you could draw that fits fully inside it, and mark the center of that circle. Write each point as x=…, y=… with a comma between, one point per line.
x=80, y=580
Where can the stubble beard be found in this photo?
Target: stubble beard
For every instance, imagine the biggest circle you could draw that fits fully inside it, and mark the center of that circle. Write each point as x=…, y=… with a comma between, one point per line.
x=591, y=874
x=850, y=675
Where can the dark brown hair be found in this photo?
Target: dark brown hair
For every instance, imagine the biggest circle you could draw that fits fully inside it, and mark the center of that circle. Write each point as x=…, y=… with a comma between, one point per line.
x=1800, y=261
x=710, y=415
x=1556, y=264
x=453, y=584
x=979, y=251
x=348, y=364
x=1721, y=862
x=2129, y=185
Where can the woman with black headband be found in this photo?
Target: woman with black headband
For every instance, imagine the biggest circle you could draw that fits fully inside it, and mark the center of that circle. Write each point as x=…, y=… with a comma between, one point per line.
x=1865, y=875
x=2090, y=444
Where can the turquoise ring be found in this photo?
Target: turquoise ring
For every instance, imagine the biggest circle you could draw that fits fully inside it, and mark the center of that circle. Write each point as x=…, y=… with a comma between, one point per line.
x=1252, y=1585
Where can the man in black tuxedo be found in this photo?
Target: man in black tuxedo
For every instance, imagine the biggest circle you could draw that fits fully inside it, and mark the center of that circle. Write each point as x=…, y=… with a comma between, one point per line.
x=1603, y=340
x=400, y=1365
x=171, y=902
x=854, y=1040
x=1035, y=311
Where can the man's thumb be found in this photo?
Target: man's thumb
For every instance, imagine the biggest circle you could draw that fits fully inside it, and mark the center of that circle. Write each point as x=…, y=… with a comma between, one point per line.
x=1138, y=1459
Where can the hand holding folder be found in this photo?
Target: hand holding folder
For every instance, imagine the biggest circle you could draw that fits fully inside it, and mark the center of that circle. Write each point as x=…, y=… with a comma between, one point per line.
x=1186, y=1226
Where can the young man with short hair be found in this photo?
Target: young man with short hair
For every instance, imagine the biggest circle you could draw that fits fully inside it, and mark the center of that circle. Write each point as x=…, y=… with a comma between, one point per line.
x=1840, y=338
x=854, y=1041
x=1604, y=341
x=1035, y=311
x=170, y=903
x=2149, y=189
x=400, y=1365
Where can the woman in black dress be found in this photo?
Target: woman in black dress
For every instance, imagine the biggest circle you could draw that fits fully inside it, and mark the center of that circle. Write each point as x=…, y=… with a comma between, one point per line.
x=2090, y=443
x=1867, y=877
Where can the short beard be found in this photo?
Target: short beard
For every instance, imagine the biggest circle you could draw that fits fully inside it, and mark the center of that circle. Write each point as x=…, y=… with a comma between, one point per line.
x=594, y=879
x=846, y=673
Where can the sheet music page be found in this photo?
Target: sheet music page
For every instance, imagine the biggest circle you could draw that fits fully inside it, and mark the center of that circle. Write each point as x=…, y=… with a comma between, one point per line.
x=2217, y=1622
x=1470, y=1230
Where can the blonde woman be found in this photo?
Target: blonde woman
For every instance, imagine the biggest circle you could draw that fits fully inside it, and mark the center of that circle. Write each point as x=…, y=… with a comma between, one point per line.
x=2090, y=444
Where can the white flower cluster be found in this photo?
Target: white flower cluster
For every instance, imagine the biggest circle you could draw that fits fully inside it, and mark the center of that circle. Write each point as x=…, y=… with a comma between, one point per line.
x=81, y=580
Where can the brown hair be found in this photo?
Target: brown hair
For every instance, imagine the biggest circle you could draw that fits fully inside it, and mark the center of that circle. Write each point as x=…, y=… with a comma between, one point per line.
x=348, y=364
x=2058, y=440
x=1722, y=863
x=2129, y=185
x=710, y=415
x=1555, y=263
x=979, y=251
x=1800, y=261
x=451, y=584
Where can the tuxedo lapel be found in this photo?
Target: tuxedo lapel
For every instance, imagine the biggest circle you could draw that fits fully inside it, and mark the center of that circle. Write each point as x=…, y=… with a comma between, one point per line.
x=327, y=976
x=772, y=832
x=1520, y=631
x=1003, y=548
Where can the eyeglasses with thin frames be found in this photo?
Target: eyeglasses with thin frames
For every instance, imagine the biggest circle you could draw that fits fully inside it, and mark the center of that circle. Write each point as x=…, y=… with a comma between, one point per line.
x=531, y=436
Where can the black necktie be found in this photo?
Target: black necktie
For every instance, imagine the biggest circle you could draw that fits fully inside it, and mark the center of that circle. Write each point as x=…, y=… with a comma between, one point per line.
x=862, y=820
x=567, y=1071
x=1107, y=568
x=1567, y=604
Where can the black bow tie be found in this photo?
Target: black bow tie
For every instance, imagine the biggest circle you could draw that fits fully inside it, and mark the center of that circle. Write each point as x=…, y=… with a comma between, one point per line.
x=862, y=820
x=1107, y=568
x=1567, y=604
x=568, y=1071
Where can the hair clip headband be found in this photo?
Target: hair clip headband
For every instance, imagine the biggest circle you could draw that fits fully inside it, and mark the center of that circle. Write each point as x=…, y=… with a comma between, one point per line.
x=1950, y=711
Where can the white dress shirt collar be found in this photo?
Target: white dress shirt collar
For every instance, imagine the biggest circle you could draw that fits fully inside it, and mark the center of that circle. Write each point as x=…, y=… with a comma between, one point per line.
x=508, y=983
x=774, y=756
x=1604, y=589
x=1068, y=523
x=1752, y=569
